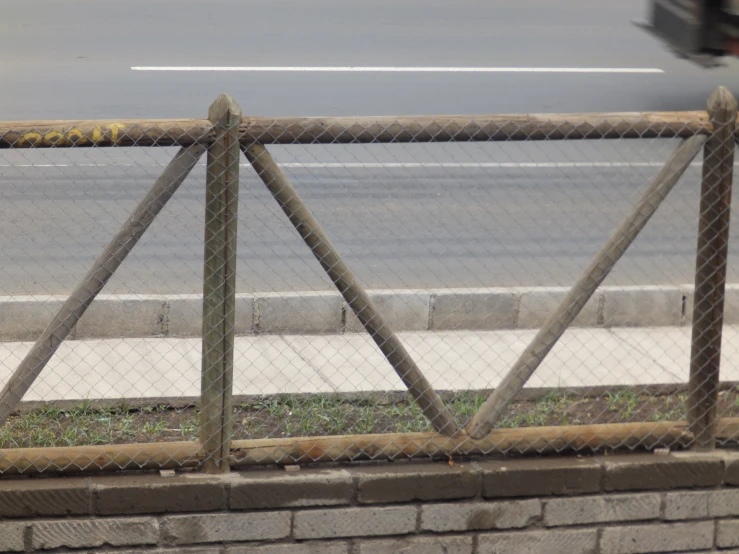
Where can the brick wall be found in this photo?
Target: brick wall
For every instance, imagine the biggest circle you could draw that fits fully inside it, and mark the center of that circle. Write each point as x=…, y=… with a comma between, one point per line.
x=607, y=505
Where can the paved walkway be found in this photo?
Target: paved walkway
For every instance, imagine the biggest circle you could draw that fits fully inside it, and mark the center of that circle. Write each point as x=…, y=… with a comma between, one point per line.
x=136, y=368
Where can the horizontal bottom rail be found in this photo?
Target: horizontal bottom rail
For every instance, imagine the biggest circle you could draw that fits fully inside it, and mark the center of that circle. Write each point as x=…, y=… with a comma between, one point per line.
x=108, y=457
x=520, y=441
x=344, y=448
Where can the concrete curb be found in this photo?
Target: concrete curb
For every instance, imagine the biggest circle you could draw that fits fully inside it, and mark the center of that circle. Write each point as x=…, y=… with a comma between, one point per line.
x=23, y=318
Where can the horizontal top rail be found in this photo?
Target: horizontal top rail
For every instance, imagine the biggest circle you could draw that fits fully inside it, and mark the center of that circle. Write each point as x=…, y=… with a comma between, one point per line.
x=100, y=133
x=356, y=130
x=482, y=128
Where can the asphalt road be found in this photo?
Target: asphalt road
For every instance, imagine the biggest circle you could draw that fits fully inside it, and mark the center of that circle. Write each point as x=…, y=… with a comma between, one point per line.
x=437, y=224
x=72, y=59
x=421, y=226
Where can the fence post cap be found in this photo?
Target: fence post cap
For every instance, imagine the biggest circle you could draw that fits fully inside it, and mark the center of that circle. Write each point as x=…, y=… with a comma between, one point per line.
x=721, y=100
x=225, y=109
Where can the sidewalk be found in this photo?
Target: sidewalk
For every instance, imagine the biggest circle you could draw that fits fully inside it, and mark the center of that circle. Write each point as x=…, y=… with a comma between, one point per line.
x=270, y=364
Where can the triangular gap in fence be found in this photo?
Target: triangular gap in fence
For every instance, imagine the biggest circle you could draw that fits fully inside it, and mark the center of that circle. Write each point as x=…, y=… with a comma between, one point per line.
x=350, y=288
x=598, y=269
x=99, y=274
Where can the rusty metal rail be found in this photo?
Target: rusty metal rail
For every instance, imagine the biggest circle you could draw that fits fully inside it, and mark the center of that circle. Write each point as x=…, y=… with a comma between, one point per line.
x=391, y=446
x=359, y=130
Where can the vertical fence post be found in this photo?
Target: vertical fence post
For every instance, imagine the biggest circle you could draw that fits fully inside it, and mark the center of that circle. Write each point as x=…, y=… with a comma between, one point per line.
x=219, y=284
x=710, y=269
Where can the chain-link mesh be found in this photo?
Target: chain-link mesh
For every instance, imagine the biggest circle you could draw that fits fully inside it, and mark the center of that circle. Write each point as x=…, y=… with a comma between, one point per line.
x=454, y=251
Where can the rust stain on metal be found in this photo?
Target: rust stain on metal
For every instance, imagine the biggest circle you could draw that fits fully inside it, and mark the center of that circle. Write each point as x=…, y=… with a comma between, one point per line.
x=590, y=438
x=314, y=452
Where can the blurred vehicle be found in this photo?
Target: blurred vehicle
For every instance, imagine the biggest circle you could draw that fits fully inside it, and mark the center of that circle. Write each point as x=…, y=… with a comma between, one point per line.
x=703, y=31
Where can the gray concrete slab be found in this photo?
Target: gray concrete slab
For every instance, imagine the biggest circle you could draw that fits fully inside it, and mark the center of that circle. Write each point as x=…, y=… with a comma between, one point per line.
x=139, y=368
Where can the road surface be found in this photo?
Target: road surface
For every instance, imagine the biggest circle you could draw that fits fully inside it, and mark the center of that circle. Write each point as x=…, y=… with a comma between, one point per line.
x=72, y=59
x=462, y=215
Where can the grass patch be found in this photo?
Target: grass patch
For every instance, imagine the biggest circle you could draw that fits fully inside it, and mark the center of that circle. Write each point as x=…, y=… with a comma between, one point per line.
x=86, y=426
x=315, y=415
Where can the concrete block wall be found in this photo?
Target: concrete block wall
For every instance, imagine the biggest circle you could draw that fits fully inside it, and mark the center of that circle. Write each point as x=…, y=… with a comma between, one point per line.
x=622, y=504
x=126, y=316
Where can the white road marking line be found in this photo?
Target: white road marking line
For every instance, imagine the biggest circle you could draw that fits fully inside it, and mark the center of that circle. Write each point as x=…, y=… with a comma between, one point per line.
x=398, y=165
x=69, y=165
x=465, y=165
x=354, y=69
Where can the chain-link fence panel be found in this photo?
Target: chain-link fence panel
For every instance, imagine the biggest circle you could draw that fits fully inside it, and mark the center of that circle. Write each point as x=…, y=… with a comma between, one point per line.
x=467, y=249
x=362, y=288
x=87, y=278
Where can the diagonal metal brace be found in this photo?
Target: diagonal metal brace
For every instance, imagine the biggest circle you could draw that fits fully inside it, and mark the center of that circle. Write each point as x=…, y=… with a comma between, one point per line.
x=601, y=265
x=100, y=273
x=350, y=288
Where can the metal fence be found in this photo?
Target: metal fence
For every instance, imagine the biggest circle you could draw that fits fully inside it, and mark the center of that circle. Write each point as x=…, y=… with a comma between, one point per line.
x=364, y=288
